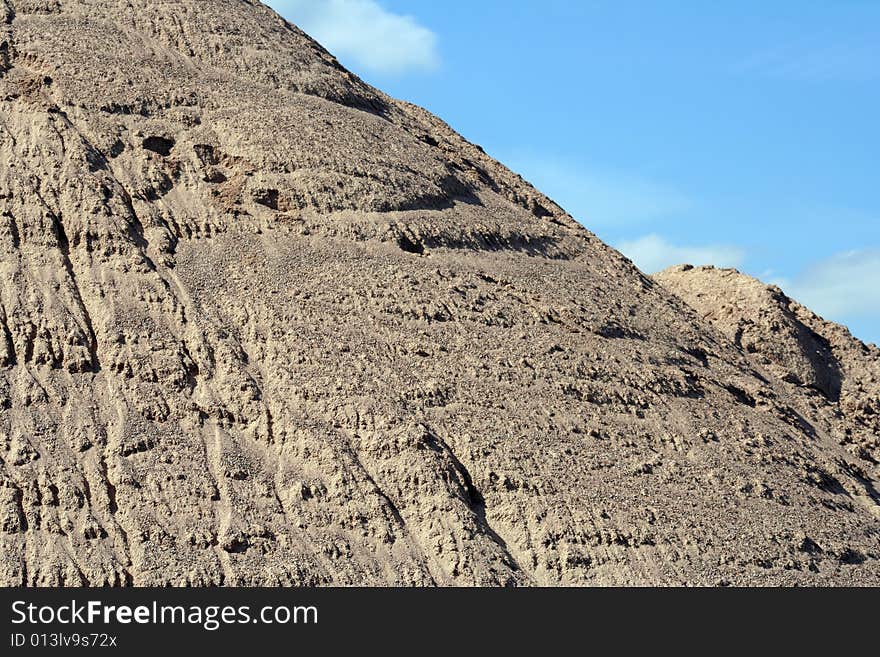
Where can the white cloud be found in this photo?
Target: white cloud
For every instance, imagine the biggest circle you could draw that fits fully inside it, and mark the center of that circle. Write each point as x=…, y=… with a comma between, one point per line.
x=601, y=199
x=652, y=253
x=365, y=34
x=846, y=285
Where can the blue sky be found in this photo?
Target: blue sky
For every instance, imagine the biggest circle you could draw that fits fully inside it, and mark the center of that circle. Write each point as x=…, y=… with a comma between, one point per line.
x=738, y=134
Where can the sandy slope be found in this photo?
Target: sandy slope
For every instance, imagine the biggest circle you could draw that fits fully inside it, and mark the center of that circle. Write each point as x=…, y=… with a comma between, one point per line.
x=262, y=324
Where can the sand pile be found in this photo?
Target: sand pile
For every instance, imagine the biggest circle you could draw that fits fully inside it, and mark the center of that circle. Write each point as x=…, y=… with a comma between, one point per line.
x=263, y=324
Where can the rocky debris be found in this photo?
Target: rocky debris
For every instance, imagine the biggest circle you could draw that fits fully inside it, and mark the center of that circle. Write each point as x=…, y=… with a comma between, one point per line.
x=262, y=324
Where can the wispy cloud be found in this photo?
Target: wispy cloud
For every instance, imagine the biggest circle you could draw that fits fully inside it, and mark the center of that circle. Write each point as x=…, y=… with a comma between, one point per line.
x=818, y=61
x=601, y=198
x=845, y=286
x=653, y=253
x=364, y=34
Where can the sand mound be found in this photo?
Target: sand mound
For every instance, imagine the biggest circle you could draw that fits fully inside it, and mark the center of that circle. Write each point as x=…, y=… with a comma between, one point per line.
x=262, y=324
